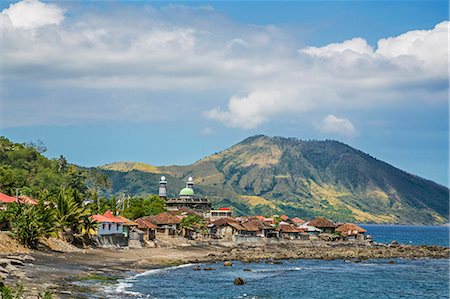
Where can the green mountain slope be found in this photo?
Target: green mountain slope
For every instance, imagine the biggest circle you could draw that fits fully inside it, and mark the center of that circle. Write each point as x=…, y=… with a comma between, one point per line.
x=265, y=175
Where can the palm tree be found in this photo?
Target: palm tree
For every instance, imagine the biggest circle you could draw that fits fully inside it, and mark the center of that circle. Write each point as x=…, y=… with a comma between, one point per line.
x=70, y=212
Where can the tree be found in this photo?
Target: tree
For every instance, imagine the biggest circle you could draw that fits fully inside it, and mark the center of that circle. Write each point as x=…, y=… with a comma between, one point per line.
x=29, y=223
x=62, y=163
x=69, y=210
x=192, y=222
x=139, y=207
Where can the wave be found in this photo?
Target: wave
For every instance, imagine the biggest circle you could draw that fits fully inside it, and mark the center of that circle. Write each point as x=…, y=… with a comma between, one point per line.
x=123, y=286
x=160, y=270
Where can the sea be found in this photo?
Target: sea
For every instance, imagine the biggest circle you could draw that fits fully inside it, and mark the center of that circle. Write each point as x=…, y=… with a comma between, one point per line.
x=347, y=279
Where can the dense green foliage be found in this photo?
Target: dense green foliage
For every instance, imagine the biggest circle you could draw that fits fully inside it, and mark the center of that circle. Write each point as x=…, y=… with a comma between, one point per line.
x=18, y=292
x=29, y=223
x=140, y=207
x=23, y=168
x=65, y=215
x=192, y=221
x=300, y=178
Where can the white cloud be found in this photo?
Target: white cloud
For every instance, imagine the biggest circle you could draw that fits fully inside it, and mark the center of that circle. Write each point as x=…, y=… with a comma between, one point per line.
x=30, y=14
x=356, y=45
x=337, y=126
x=189, y=53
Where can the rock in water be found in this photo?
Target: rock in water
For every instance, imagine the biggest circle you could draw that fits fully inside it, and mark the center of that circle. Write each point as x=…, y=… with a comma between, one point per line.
x=239, y=281
x=228, y=264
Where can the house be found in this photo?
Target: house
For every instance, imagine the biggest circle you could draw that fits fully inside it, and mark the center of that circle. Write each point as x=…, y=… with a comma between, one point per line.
x=128, y=225
x=351, y=231
x=165, y=223
x=311, y=230
x=219, y=213
x=108, y=224
x=27, y=200
x=324, y=224
x=148, y=227
x=259, y=228
x=226, y=228
x=291, y=232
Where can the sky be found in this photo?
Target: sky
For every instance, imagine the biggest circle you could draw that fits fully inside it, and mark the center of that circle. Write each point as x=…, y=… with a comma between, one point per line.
x=170, y=82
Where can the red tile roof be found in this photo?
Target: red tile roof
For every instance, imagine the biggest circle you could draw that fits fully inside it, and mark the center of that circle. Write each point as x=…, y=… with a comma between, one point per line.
x=350, y=229
x=143, y=224
x=228, y=222
x=101, y=218
x=127, y=221
x=321, y=222
x=107, y=217
x=6, y=198
x=163, y=218
x=297, y=220
x=287, y=228
x=284, y=217
x=256, y=225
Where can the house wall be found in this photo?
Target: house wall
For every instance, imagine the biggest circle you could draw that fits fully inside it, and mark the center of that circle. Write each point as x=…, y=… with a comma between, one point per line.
x=226, y=231
x=109, y=228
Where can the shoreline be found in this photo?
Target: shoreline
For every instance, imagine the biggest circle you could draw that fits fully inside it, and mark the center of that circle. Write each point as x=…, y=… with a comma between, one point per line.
x=85, y=273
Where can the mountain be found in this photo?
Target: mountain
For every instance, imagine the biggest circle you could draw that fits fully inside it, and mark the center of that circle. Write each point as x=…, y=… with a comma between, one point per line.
x=274, y=175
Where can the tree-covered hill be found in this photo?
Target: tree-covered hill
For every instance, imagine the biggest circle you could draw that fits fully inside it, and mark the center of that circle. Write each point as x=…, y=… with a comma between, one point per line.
x=264, y=175
x=26, y=171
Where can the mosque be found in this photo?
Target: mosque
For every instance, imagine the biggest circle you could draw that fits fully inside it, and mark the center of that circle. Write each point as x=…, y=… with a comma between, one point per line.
x=186, y=198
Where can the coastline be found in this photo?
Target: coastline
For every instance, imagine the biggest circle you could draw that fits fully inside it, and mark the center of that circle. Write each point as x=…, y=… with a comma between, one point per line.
x=84, y=273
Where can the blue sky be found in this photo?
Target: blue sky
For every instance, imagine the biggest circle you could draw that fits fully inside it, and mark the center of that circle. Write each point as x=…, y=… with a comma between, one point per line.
x=168, y=83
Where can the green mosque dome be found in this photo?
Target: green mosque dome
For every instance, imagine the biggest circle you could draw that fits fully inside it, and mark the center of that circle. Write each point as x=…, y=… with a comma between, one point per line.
x=186, y=192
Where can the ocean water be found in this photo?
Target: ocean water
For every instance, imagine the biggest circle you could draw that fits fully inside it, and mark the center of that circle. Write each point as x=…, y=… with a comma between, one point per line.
x=419, y=278
x=414, y=235
x=425, y=278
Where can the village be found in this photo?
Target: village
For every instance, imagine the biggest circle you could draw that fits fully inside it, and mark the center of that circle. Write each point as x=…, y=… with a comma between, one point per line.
x=191, y=218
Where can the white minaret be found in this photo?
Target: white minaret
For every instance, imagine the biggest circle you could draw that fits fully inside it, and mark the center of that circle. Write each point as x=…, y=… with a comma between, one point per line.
x=162, y=187
x=190, y=183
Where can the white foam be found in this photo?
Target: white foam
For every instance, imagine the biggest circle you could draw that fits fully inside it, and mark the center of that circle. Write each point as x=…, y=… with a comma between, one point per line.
x=161, y=270
x=127, y=283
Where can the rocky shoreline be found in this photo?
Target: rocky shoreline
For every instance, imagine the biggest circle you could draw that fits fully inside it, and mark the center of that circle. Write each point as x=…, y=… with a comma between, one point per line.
x=79, y=274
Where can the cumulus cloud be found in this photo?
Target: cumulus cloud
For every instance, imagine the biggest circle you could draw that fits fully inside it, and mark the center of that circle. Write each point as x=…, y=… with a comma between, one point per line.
x=337, y=126
x=30, y=14
x=356, y=45
x=257, y=72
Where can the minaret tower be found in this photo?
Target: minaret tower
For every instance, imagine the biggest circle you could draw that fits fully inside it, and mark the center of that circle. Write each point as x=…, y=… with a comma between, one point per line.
x=162, y=187
x=190, y=183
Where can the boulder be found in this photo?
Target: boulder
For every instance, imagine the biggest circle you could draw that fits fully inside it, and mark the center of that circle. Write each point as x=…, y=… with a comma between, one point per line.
x=239, y=281
x=228, y=264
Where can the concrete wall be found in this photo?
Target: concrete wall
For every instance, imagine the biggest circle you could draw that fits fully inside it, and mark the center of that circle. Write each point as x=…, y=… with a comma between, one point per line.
x=117, y=240
x=136, y=240
x=109, y=228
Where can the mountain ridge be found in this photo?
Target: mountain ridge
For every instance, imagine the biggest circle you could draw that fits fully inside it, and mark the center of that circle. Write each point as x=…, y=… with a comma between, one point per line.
x=263, y=175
